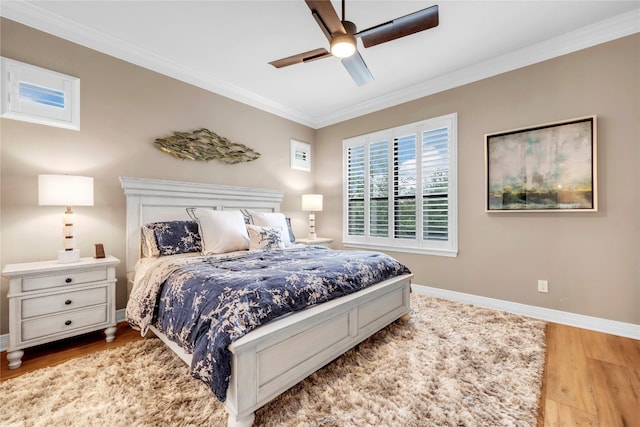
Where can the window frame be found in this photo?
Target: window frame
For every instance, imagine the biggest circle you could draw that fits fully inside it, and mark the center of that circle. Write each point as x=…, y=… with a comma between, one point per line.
x=17, y=76
x=448, y=247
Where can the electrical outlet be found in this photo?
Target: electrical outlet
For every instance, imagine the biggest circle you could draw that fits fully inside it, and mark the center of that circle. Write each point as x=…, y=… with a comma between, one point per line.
x=543, y=286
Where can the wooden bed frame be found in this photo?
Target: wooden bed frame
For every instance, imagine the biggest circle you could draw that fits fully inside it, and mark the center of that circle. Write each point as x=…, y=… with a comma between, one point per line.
x=274, y=357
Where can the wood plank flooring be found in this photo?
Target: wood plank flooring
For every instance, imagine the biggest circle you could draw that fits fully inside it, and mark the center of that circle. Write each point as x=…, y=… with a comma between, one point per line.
x=590, y=378
x=60, y=351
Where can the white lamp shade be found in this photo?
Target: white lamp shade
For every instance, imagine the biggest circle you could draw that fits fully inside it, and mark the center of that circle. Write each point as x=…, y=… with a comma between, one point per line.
x=312, y=202
x=65, y=190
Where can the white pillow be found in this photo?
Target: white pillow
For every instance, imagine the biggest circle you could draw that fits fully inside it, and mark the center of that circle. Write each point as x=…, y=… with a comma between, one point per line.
x=265, y=237
x=272, y=219
x=221, y=231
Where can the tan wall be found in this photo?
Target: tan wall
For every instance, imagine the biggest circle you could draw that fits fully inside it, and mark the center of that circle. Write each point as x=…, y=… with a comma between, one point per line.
x=590, y=259
x=123, y=108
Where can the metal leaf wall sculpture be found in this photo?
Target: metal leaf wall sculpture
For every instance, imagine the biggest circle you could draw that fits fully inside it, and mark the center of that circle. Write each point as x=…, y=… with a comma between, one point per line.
x=202, y=144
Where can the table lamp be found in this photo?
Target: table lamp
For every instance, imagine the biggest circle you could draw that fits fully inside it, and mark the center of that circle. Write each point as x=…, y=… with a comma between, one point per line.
x=66, y=190
x=312, y=203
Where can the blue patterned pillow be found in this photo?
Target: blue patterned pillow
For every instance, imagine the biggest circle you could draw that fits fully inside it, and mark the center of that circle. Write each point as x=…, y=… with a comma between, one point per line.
x=272, y=219
x=265, y=237
x=177, y=237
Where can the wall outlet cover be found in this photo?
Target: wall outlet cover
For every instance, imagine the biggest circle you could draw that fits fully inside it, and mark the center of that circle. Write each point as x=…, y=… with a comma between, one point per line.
x=543, y=286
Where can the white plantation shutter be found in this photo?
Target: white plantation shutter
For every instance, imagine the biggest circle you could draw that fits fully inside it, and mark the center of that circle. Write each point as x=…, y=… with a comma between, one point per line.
x=404, y=187
x=400, y=190
x=356, y=190
x=435, y=184
x=379, y=189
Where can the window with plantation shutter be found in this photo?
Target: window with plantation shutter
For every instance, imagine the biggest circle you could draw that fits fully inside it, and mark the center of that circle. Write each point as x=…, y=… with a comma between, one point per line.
x=400, y=189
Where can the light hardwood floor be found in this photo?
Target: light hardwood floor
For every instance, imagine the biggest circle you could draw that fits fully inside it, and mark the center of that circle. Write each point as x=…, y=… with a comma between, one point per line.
x=590, y=378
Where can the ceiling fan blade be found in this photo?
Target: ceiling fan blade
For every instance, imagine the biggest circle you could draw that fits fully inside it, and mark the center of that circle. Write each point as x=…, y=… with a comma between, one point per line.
x=400, y=27
x=326, y=16
x=358, y=69
x=322, y=25
x=311, y=55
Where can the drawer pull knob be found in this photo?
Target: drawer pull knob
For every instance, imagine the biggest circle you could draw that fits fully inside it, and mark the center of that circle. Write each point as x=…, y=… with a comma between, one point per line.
x=67, y=302
x=68, y=322
x=68, y=280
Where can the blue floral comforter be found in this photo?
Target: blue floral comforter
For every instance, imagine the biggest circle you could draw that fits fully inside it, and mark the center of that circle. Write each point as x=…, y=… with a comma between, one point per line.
x=205, y=303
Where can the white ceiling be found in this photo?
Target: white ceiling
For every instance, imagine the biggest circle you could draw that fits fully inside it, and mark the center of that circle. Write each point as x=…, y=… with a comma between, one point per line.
x=225, y=46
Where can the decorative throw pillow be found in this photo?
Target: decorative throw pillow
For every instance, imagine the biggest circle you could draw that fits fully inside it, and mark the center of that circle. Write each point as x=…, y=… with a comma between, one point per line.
x=265, y=237
x=271, y=219
x=148, y=242
x=292, y=237
x=221, y=231
x=174, y=237
x=247, y=216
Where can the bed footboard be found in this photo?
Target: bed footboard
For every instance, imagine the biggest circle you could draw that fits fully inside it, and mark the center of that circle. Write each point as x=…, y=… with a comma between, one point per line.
x=278, y=355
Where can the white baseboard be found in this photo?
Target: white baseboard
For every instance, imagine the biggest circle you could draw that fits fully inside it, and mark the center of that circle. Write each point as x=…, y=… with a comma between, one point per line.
x=629, y=330
x=120, y=315
x=4, y=339
x=613, y=327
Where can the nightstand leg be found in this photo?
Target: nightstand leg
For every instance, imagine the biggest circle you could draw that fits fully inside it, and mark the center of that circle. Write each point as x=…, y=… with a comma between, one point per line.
x=15, y=358
x=110, y=332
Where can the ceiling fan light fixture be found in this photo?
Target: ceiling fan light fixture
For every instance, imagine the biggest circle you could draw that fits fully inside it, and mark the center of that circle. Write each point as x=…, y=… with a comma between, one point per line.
x=343, y=45
x=342, y=35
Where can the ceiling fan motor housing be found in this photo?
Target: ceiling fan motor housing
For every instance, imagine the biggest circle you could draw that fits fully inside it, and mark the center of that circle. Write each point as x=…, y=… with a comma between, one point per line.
x=349, y=27
x=344, y=45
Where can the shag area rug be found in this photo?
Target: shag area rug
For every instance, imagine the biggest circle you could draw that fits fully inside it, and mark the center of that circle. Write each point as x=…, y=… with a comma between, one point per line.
x=451, y=364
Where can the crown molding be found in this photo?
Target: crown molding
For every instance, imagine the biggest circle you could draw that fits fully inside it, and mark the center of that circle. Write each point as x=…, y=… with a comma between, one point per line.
x=601, y=32
x=592, y=35
x=33, y=16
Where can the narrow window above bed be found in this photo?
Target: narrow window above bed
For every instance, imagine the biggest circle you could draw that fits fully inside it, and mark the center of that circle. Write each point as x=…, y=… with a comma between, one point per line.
x=400, y=189
x=38, y=95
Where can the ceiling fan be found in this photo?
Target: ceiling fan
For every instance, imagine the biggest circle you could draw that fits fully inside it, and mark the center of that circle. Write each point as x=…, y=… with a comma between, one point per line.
x=342, y=35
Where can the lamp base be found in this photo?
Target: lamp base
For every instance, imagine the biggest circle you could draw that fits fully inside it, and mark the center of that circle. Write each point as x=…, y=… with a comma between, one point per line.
x=65, y=257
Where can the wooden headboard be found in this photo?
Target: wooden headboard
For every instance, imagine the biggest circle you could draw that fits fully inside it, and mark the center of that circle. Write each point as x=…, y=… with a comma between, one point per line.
x=150, y=200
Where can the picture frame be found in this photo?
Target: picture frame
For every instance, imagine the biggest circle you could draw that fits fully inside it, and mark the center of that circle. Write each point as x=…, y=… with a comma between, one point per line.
x=300, y=155
x=544, y=168
x=38, y=95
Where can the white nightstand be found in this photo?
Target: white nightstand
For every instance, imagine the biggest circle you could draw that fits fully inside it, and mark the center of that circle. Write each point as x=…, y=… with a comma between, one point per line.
x=321, y=241
x=49, y=301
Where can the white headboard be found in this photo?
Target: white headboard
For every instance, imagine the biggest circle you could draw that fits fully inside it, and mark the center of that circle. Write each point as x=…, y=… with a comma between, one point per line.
x=150, y=200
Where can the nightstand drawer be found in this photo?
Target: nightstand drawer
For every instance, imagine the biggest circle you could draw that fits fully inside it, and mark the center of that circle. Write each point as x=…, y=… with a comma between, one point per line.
x=70, y=278
x=49, y=304
x=64, y=322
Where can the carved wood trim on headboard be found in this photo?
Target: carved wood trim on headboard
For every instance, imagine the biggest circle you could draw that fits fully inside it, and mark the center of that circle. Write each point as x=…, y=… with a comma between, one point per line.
x=151, y=200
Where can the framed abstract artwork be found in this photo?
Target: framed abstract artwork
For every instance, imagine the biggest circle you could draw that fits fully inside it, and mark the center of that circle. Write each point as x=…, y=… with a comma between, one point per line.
x=300, y=155
x=550, y=167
